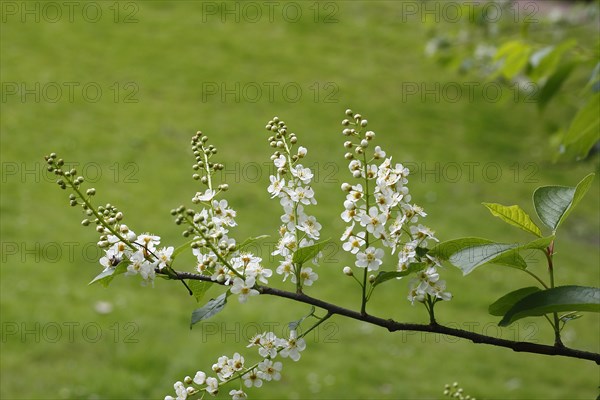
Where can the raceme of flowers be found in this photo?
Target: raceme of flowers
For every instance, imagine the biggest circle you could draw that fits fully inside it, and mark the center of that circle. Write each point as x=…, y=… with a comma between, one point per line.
x=380, y=214
x=291, y=184
x=122, y=246
x=377, y=209
x=229, y=369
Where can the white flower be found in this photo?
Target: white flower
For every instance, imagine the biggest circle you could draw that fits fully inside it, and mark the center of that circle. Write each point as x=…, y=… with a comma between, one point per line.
x=354, y=243
x=164, y=256
x=307, y=276
x=310, y=226
x=223, y=369
x=244, y=288
x=148, y=241
x=212, y=385
x=237, y=394
x=350, y=213
x=271, y=370
x=374, y=222
x=302, y=151
x=355, y=194
x=293, y=347
x=200, y=378
x=268, y=345
x=285, y=268
x=280, y=161
x=206, y=196
x=304, y=174
x=276, y=185
x=180, y=390
x=237, y=362
x=223, y=214
x=252, y=378
x=378, y=153
x=370, y=259
x=304, y=195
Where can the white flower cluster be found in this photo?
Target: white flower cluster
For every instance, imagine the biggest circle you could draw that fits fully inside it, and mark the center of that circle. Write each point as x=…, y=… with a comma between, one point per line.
x=218, y=255
x=228, y=369
x=380, y=213
x=291, y=185
x=141, y=253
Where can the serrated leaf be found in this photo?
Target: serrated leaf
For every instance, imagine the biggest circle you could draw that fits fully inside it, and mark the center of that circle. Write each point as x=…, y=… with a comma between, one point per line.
x=384, y=276
x=558, y=299
x=553, y=204
x=304, y=254
x=506, y=302
x=472, y=257
x=106, y=276
x=514, y=215
x=198, y=288
x=584, y=131
x=211, y=308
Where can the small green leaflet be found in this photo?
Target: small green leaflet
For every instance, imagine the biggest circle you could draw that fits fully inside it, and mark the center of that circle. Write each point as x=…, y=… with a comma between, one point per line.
x=292, y=326
x=558, y=299
x=211, y=308
x=384, y=276
x=553, y=204
x=304, y=254
x=514, y=215
x=505, y=303
x=198, y=288
x=108, y=274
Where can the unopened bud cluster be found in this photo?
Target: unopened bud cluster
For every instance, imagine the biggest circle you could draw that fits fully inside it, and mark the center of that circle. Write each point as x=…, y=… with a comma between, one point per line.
x=205, y=168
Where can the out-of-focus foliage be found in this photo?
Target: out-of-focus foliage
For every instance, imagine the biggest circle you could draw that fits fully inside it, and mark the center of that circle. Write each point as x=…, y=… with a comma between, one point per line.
x=538, y=49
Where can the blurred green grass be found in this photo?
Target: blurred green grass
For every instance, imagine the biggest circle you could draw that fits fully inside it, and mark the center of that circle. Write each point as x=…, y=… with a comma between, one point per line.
x=142, y=152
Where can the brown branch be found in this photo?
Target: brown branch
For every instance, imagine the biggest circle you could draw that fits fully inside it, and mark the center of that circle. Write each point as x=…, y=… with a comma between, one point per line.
x=393, y=326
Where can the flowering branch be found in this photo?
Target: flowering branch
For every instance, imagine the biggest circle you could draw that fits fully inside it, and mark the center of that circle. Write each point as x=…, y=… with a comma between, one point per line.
x=395, y=326
x=380, y=218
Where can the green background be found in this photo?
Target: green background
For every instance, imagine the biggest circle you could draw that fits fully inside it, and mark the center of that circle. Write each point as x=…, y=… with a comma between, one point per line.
x=155, y=63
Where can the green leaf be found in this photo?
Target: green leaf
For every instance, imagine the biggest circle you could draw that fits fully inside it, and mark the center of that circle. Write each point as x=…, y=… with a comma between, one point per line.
x=292, y=326
x=544, y=62
x=470, y=258
x=198, y=288
x=108, y=274
x=553, y=84
x=538, y=244
x=514, y=215
x=384, y=276
x=584, y=131
x=553, y=204
x=181, y=248
x=211, y=308
x=558, y=299
x=506, y=302
x=444, y=250
x=515, y=55
x=306, y=253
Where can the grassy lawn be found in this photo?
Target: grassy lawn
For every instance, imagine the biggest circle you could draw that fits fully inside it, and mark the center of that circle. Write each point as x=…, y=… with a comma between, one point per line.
x=142, y=86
